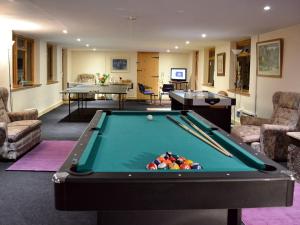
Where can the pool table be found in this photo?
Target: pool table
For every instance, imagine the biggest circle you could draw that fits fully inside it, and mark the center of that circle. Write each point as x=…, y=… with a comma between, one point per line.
x=106, y=172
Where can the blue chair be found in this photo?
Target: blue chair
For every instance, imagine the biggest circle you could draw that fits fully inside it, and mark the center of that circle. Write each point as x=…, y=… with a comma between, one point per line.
x=145, y=91
x=166, y=88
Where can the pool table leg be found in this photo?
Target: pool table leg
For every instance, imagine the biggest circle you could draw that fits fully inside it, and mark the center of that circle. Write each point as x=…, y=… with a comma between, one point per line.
x=234, y=217
x=171, y=217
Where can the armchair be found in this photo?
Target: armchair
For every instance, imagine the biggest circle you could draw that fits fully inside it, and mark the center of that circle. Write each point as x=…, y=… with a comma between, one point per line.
x=19, y=131
x=269, y=135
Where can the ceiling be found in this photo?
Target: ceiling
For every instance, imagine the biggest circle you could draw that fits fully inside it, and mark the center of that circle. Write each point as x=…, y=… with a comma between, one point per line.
x=159, y=24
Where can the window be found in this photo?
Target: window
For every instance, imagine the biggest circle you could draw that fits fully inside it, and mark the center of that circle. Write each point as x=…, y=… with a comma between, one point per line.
x=23, y=61
x=50, y=63
x=243, y=65
x=211, y=66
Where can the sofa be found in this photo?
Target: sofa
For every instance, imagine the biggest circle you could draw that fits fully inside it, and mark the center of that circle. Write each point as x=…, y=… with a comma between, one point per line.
x=19, y=131
x=268, y=136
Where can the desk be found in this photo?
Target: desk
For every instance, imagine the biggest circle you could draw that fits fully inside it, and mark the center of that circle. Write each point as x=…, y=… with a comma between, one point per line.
x=83, y=90
x=178, y=85
x=215, y=108
x=106, y=172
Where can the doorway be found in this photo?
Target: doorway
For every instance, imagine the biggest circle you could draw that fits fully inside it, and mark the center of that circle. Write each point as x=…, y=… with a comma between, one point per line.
x=147, y=71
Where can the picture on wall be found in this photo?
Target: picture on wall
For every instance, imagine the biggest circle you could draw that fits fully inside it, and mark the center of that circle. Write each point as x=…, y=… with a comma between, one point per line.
x=119, y=65
x=221, y=64
x=269, y=58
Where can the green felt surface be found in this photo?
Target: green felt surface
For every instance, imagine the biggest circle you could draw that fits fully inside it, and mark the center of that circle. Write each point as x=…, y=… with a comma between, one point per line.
x=129, y=141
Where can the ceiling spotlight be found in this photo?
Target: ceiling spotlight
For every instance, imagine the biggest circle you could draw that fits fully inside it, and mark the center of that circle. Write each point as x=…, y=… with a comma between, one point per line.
x=78, y=39
x=187, y=42
x=180, y=11
x=203, y=35
x=87, y=45
x=94, y=49
x=65, y=31
x=168, y=50
x=132, y=18
x=176, y=47
x=267, y=8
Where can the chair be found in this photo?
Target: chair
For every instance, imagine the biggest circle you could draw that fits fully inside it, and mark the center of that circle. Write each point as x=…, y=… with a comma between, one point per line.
x=145, y=91
x=166, y=88
x=269, y=135
x=19, y=131
x=223, y=93
x=87, y=79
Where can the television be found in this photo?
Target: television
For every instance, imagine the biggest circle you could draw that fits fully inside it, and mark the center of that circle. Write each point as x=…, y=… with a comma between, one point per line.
x=178, y=74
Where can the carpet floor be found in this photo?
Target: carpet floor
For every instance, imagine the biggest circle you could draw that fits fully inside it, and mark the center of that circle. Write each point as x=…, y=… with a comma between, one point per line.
x=26, y=198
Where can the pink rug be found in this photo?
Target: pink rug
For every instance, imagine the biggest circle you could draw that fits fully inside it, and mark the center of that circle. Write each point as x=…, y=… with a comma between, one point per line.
x=275, y=216
x=46, y=156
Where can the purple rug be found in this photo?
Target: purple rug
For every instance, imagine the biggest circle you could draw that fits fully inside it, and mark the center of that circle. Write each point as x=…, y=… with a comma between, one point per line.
x=46, y=156
x=275, y=216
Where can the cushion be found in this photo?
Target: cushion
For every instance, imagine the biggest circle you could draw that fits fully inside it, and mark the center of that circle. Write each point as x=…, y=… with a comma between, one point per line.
x=3, y=114
x=18, y=129
x=286, y=116
x=289, y=100
x=247, y=133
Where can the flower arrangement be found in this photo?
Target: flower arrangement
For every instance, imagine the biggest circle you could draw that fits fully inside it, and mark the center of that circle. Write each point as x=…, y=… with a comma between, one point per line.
x=102, y=78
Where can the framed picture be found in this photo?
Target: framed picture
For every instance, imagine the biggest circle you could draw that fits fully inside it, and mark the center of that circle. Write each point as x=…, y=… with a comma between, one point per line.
x=119, y=65
x=221, y=64
x=269, y=58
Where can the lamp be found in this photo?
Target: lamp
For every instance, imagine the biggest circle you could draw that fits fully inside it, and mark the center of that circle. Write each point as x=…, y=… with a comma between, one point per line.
x=9, y=74
x=236, y=52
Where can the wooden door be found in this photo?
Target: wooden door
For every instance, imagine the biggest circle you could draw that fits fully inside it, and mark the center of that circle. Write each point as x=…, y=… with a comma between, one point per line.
x=147, y=71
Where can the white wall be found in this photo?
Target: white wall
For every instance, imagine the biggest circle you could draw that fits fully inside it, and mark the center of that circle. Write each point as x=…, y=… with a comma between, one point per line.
x=100, y=62
x=5, y=50
x=290, y=80
x=265, y=87
x=44, y=97
x=221, y=83
x=174, y=60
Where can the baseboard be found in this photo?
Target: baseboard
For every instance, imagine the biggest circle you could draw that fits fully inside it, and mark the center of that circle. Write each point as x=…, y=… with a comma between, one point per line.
x=50, y=108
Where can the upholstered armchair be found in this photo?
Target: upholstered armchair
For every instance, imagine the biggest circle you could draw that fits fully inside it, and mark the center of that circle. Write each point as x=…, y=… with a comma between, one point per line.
x=86, y=78
x=19, y=131
x=269, y=135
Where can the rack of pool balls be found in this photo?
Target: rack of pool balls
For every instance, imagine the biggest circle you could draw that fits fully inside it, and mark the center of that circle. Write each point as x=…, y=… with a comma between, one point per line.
x=170, y=161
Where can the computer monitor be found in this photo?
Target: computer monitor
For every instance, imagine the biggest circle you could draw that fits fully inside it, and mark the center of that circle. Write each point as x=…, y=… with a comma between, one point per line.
x=178, y=74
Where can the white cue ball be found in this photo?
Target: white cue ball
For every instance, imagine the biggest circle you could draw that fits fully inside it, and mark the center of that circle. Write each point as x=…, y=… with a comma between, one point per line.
x=150, y=117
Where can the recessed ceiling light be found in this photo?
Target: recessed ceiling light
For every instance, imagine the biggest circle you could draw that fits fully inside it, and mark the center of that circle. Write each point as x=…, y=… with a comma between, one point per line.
x=267, y=8
x=94, y=49
x=168, y=50
x=87, y=45
x=203, y=35
x=120, y=9
x=187, y=42
x=132, y=18
x=78, y=39
x=176, y=47
x=65, y=31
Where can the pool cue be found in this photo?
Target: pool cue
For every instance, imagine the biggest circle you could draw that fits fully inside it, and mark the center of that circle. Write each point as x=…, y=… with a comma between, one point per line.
x=203, y=133
x=197, y=135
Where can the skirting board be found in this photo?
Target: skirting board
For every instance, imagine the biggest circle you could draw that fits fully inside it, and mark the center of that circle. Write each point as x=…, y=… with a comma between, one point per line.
x=50, y=108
